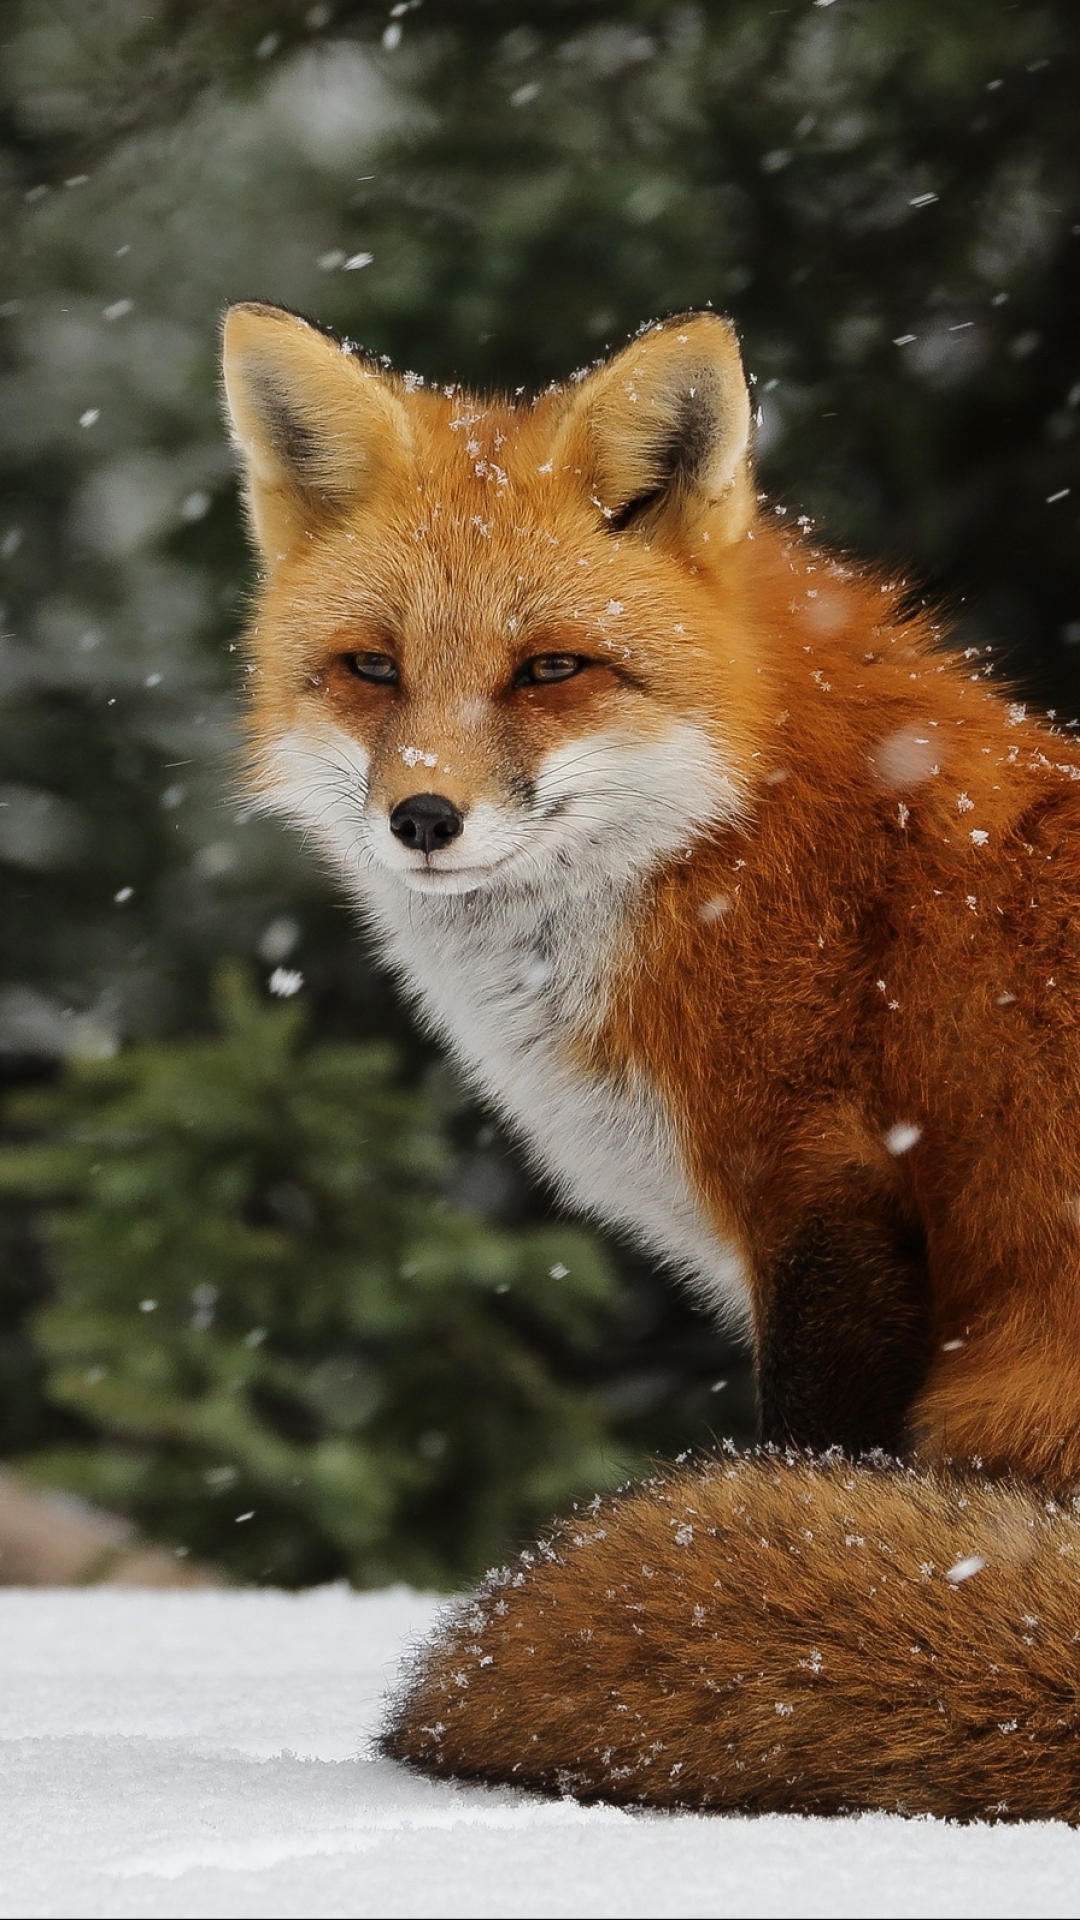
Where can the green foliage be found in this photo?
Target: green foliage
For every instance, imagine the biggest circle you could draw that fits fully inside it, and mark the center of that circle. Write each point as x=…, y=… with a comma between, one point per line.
x=288, y=1350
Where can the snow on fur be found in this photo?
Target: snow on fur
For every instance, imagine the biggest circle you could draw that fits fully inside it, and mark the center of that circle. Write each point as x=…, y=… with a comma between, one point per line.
x=774, y=1633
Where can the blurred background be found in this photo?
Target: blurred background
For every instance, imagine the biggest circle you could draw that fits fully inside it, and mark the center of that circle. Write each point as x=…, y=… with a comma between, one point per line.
x=272, y=1288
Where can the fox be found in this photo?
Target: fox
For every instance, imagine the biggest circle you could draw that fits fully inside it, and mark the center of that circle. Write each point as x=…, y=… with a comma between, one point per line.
x=749, y=900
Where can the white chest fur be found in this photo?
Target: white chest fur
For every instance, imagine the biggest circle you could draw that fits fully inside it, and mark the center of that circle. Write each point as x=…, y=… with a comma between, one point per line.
x=507, y=983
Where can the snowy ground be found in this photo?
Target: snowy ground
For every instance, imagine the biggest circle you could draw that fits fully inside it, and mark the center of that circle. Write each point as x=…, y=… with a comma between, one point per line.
x=205, y=1754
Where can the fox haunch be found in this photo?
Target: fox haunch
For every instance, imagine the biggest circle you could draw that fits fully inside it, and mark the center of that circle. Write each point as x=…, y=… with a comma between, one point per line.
x=750, y=906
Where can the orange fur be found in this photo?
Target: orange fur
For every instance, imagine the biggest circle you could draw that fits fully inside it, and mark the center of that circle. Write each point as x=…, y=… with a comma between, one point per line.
x=851, y=991
x=765, y=1635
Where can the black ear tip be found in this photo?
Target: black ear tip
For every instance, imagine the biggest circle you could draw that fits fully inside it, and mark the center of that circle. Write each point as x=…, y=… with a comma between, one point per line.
x=255, y=310
x=263, y=311
x=697, y=317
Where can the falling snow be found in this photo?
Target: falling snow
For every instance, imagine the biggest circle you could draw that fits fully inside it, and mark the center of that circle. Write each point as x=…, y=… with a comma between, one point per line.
x=714, y=908
x=285, y=982
x=965, y=1569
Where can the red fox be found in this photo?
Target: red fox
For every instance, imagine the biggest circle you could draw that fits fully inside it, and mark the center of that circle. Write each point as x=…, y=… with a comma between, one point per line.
x=754, y=911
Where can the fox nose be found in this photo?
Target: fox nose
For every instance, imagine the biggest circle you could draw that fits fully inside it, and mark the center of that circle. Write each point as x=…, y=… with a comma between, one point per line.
x=426, y=821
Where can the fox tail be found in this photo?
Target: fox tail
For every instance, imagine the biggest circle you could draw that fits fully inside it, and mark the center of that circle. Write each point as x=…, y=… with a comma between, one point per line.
x=773, y=1633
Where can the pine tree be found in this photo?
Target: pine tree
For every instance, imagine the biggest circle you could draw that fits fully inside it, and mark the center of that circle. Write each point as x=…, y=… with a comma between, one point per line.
x=288, y=1351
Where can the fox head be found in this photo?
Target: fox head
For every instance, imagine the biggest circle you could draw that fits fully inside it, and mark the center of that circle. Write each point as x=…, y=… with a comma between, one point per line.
x=494, y=643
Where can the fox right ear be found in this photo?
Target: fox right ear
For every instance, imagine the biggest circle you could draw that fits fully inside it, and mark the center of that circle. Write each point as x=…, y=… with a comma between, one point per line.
x=317, y=428
x=661, y=432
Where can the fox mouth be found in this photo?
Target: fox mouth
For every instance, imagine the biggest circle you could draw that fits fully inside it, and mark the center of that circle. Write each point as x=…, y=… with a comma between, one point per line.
x=463, y=879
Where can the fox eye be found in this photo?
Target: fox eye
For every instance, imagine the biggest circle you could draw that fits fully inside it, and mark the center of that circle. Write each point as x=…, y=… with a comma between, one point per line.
x=373, y=666
x=544, y=668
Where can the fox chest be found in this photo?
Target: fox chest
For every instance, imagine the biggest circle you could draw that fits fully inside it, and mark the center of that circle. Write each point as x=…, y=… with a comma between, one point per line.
x=509, y=994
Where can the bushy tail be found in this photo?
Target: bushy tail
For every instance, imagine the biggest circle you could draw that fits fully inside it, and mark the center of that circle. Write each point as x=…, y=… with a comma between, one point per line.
x=774, y=1634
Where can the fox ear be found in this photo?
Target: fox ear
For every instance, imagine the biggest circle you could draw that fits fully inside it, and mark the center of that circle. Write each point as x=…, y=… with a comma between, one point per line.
x=662, y=432
x=317, y=428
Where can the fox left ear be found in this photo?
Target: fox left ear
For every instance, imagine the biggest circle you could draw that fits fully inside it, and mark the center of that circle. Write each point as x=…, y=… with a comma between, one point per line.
x=317, y=428
x=663, y=430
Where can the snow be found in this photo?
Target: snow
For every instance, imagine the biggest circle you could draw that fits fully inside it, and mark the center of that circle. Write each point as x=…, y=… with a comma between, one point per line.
x=208, y=1753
